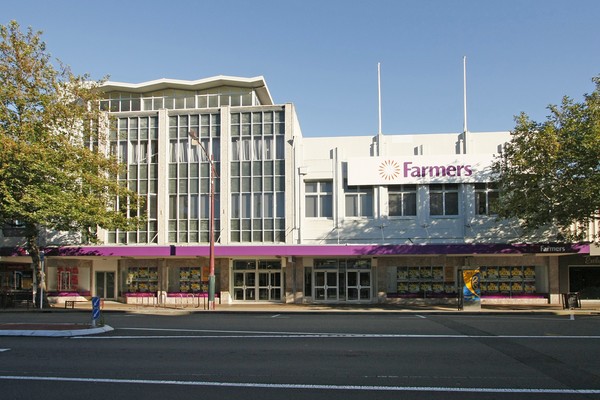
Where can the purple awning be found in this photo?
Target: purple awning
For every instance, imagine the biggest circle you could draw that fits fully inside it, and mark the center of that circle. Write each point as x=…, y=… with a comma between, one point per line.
x=310, y=250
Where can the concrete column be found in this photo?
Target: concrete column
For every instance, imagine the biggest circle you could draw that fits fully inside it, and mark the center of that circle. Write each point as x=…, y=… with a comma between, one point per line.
x=163, y=177
x=224, y=189
x=222, y=266
x=553, y=280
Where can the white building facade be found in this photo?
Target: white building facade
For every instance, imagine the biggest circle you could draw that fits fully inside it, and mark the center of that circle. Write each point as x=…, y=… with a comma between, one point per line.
x=367, y=219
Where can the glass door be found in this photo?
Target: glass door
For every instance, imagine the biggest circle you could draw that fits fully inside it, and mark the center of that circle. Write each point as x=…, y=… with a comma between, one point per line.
x=257, y=280
x=326, y=285
x=269, y=285
x=341, y=280
x=244, y=285
x=105, y=285
x=359, y=285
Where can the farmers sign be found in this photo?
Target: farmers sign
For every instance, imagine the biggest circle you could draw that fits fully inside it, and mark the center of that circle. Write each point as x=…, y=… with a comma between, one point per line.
x=458, y=168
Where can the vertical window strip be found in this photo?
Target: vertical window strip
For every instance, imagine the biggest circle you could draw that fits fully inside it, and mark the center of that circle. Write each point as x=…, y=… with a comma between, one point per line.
x=190, y=168
x=258, y=213
x=131, y=147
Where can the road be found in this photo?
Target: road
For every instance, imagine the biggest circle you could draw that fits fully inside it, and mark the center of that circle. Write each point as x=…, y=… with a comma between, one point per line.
x=311, y=356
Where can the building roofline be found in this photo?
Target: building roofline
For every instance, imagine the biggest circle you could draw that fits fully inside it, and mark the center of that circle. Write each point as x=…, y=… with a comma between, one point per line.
x=257, y=83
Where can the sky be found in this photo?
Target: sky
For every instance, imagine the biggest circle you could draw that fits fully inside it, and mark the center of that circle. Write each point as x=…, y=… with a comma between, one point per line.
x=323, y=55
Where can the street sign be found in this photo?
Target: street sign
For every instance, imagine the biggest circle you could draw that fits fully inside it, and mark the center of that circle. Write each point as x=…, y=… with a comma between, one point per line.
x=95, y=310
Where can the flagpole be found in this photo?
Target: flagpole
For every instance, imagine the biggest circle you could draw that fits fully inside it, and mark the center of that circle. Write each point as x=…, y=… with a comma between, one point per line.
x=379, y=95
x=465, y=129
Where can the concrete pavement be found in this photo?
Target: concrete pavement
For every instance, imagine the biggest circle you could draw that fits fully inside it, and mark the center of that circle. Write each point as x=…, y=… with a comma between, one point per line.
x=51, y=330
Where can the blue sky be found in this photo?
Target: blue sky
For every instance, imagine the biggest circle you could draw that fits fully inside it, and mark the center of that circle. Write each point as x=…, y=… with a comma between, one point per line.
x=322, y=55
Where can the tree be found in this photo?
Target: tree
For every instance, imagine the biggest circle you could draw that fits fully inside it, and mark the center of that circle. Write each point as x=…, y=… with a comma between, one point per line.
x=55, y=170
x=549, y=172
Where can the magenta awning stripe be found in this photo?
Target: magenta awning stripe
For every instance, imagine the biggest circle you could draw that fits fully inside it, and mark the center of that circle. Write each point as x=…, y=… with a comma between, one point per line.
x=311, y=251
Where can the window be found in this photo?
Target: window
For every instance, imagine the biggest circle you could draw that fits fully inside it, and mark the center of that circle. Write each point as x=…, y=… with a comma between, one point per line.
x=190, y=280
x=359, y=201
x=486, y=198
x=257, y=178
x=135, y=141
x=259, y=148
x=319, y=199
x=402, y=200
x=422, y=281
x=64, y=280
x=443, y=199
x=189, y=173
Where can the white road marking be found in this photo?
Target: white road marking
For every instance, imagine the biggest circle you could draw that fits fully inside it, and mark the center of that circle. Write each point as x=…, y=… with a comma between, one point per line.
x=1, y=350
x=305, y=386
x=226, y=334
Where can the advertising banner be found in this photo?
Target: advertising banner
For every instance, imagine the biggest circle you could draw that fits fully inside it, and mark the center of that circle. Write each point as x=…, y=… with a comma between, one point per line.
x=471, y=290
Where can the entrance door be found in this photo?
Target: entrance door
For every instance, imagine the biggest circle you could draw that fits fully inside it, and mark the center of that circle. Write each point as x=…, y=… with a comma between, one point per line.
x=105, y=285
x=269, y=285
x=326, y=285
x=585, y=280
x=244, y=285
x=359, y=285
x=257, y=280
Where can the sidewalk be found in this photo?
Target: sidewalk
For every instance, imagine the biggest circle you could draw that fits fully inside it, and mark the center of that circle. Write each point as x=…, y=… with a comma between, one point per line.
x=279, y=308
x=72, y=329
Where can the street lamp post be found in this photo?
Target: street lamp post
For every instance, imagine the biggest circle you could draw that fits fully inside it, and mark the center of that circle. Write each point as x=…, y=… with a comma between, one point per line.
x=211, y=226
x=211, y=229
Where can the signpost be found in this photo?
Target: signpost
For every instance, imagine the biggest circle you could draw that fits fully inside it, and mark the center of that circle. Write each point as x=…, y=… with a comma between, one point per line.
x=95, y=310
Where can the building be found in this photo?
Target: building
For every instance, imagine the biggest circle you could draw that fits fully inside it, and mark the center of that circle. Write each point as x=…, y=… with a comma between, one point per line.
x=368, y=219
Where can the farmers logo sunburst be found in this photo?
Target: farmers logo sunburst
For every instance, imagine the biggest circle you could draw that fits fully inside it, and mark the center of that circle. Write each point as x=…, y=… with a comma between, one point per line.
x=389, y=170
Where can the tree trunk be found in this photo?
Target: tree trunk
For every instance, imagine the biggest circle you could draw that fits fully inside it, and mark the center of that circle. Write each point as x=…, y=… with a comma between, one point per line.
x=33, y=248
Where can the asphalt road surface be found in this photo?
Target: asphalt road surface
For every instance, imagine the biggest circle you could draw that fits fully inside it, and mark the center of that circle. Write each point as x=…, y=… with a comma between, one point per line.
x=309, y=356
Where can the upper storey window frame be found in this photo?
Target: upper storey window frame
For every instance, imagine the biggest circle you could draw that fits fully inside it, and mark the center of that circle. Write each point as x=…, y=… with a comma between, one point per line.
x=179, y=100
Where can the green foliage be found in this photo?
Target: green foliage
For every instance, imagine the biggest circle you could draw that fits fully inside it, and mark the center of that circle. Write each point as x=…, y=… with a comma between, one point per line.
x=550, y=171
x=55, y=170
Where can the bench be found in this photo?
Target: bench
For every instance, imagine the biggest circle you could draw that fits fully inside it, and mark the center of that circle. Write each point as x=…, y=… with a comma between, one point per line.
x=71, y=303
x=14, y=298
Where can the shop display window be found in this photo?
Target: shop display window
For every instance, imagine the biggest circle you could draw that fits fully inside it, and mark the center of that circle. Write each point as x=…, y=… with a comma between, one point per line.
x=16, y=277
x=142, y=280
x=68, y=279
x=508, y=280
x=429, y=281
x=190, y=280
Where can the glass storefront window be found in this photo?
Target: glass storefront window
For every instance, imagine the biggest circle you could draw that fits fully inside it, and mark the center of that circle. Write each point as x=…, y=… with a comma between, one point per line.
x=190, y=280
x=424, y=281
x=142, y=280
x=508, y=280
